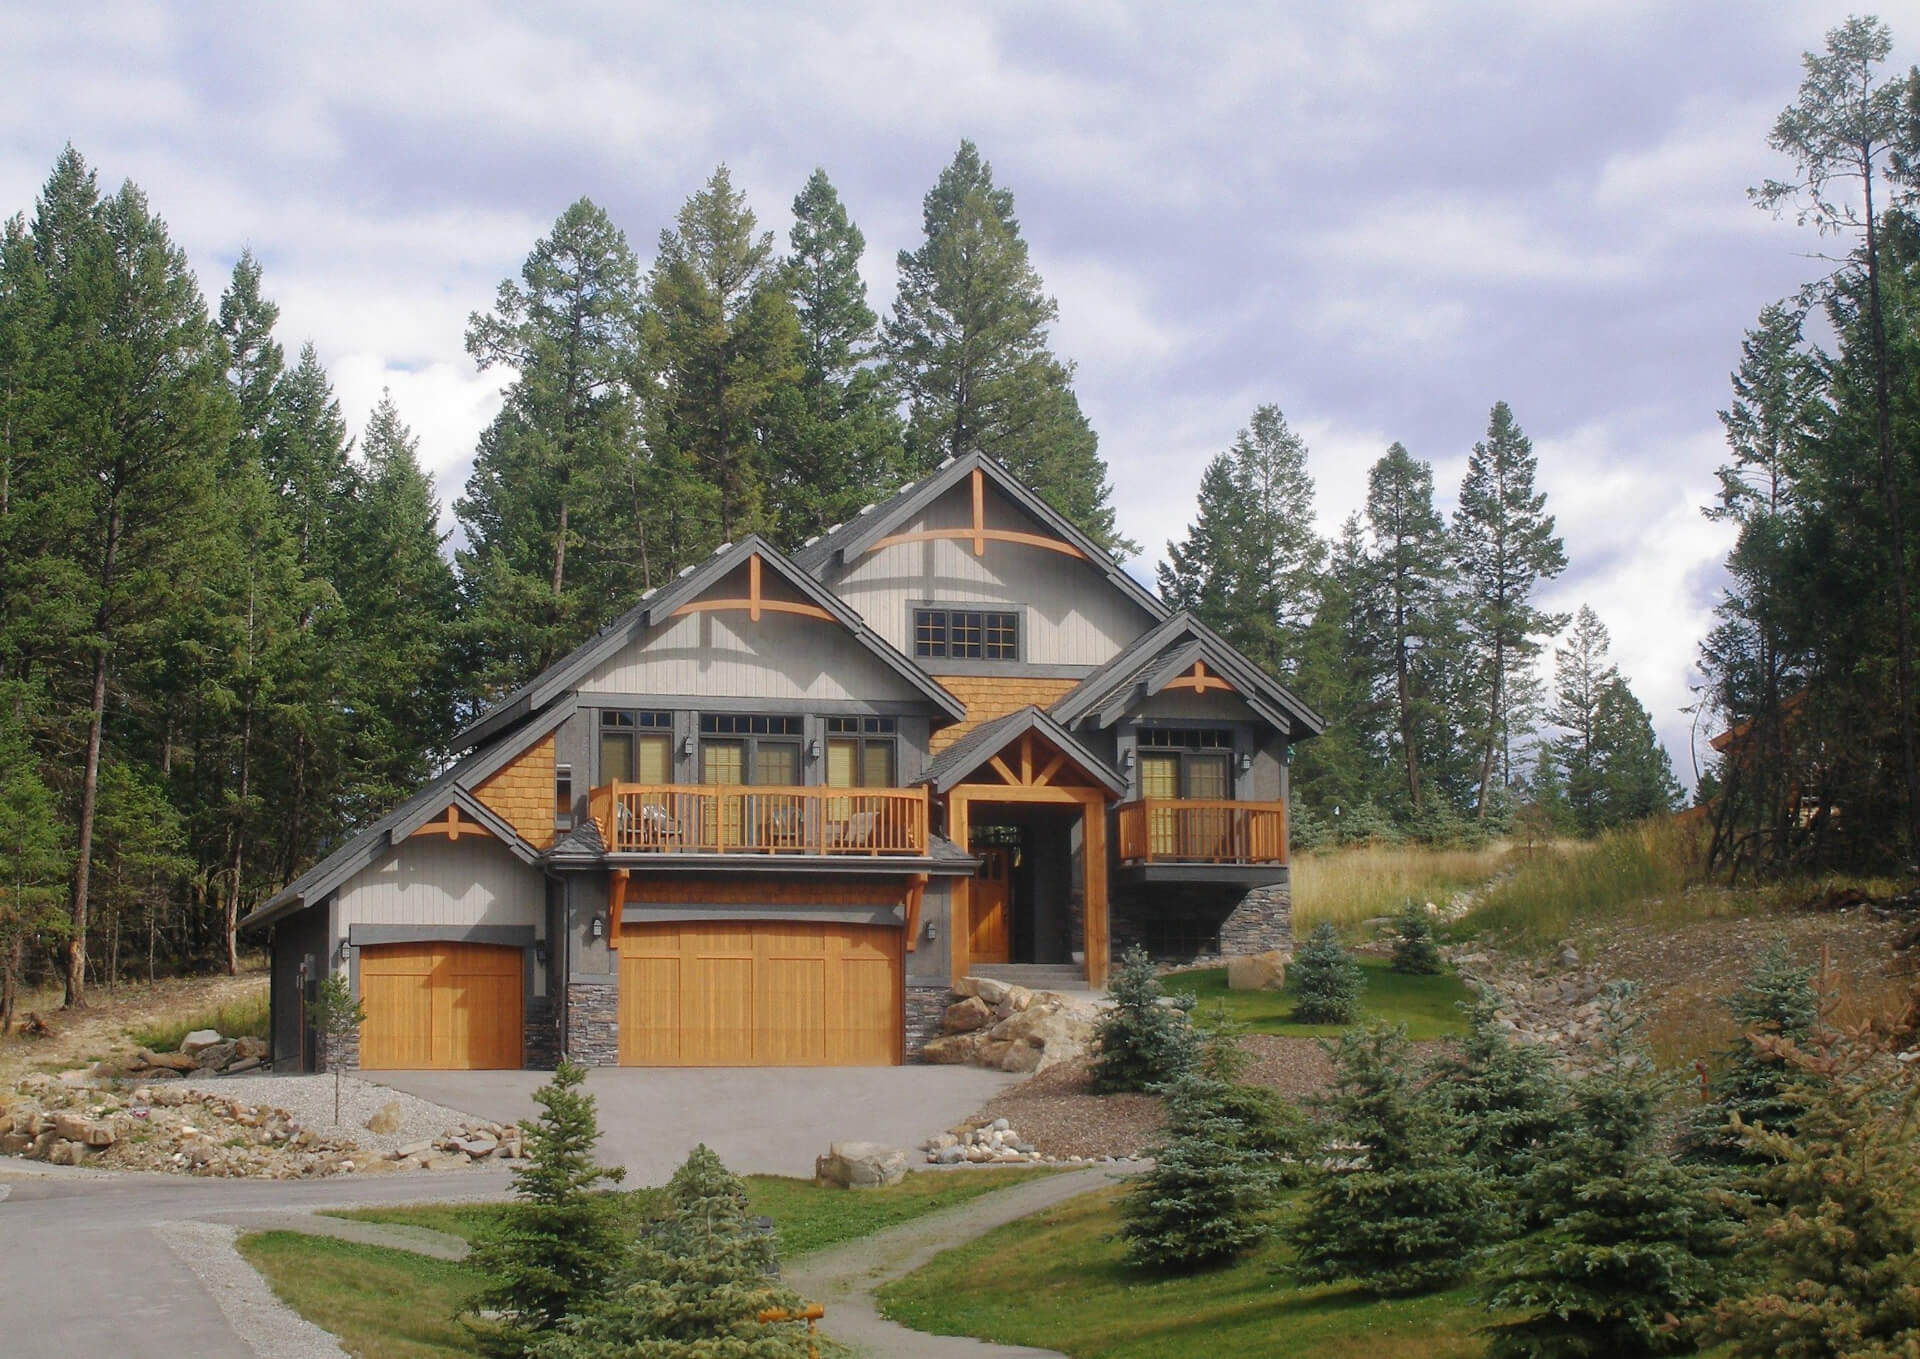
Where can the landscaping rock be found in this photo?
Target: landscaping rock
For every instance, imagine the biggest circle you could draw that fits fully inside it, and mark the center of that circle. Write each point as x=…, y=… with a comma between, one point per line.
x=478, y=1146
x=213, y=1056
x=250, y=1047
x=1258, y=971
x=198, y=1039
x=861, y=1165
x=953, y=1050
x=991, y=991
x=966, y=1015
x=166, y=1061
x=387, y=1119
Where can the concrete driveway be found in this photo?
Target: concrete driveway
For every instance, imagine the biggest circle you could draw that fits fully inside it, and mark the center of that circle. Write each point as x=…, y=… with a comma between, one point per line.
x=767, y=1120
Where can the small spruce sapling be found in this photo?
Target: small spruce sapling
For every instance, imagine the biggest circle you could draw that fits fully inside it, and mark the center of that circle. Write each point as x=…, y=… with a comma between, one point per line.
x=1757, y=1084
x=1144, y=1040
x=336, y=1015
x=1270, y=1124
x=1414, y=950
x=703, y=1275
x=1326, y=980
x=1390, y=1201
x=1206, y=1200
x=555, y=1251
x=1508, y=1101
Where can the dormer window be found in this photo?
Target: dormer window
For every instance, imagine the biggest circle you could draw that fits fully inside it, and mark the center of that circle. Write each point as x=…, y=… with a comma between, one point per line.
x=966, y=635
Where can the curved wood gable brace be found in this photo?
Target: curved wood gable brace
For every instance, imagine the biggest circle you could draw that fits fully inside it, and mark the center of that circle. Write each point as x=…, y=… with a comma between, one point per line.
x=1198, y=680
x=979, y=534
x=452, y=825
x=755, y=602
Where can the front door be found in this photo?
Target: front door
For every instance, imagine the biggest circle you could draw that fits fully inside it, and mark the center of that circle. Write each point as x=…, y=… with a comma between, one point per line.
x=991, y=904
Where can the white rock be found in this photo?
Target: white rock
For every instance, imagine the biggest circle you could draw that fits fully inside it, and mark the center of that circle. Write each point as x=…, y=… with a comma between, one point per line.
x=200, y=1038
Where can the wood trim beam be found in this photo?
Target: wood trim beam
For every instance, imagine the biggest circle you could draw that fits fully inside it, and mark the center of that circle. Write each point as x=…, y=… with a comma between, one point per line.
x=960, y=895
x=452, y=825
x=1000, y=767
x=986, y=534
x=914, y=891
x=1057, y=794
x=1049, y=769
x=765, y=605
x=979, y=513
x=616, y=902
x=1198, y=680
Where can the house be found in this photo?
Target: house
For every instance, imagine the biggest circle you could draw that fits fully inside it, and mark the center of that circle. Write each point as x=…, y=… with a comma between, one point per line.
x=770, y=814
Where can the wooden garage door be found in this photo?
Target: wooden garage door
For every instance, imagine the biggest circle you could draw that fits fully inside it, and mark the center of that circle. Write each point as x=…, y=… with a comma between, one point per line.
x=764, y=994
x=440, y=1006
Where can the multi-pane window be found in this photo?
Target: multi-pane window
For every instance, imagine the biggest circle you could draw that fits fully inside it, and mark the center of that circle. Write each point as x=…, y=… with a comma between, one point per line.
x=758, y=748
x=636, y=747
x=563, y=797
x=966, y=634
x=862, y=752
x=1186, y=762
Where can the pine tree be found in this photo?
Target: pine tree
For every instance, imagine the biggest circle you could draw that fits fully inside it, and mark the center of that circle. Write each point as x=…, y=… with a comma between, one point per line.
x=1507, y=1101
x=139, y=847
x=1505, y=545
x=1326, y=980
x=1142, y=1042
x=1756, y=1082
x=1348, y=763
x=836, y=441
x=549, y=508
x=1409, y=599
x=1635, y=775
x=1206, y=1199
x=33, y=858
x=556, y=1251
x=1635, y=1246
x=1405, y=1212
x=721, y=341
x=1414, y=949
x=967, y=346
x=1251, y=563
x=1581, y=674
x=703, y=1278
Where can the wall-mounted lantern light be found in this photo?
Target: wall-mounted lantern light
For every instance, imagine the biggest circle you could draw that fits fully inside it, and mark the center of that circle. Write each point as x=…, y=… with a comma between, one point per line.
x=1246, y=760
x=598, y=929
x=686, y=746
x=813, y=750
x=1126, y=760
x=340, y=954
x=932, y=933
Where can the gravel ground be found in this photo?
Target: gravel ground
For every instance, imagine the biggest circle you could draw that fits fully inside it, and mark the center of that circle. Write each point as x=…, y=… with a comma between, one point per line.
x=274, y=1330
x=310, y=1100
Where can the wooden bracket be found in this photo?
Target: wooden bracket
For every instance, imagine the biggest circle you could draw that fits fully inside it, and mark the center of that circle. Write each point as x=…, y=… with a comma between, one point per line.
x=616, y=902
x=915, y=888
x=452, y=825
x=755, y=603
x=1198, y=680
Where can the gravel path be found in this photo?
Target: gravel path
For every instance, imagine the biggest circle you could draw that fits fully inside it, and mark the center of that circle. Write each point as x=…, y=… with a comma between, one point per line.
x=310, y=1100
x=274, y=1330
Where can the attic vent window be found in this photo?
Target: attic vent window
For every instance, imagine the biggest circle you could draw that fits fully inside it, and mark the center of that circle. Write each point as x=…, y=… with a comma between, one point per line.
x=960, y=634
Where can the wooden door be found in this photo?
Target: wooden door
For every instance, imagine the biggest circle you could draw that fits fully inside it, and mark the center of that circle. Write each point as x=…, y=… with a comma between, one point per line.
x=991, y=900
x=766, y=993
x=440, y=1006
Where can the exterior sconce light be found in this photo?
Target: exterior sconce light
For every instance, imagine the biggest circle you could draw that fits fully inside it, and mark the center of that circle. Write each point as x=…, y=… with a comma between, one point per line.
x=340, y=954
x=1126, y=760
x=932, y=933
x=540, y=953
x=1246, y=760
x=686, y=746
x=598, y=929
x=813, y=750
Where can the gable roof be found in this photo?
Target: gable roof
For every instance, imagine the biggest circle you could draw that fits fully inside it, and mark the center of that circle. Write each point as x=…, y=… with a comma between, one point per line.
x=988, y=739
x=847, y=541
x=1161, y=654
x=658, y=604
x=453, y=786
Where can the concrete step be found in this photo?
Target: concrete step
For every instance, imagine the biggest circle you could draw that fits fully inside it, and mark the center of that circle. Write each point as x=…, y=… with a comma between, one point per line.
x=1035, y=976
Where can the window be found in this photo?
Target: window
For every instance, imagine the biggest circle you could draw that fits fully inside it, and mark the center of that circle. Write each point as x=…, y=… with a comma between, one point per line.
x=740, y=748
x=961, y=634
x=1186, y=762
x=563, y=797
x=636, y=747
x=861, y=752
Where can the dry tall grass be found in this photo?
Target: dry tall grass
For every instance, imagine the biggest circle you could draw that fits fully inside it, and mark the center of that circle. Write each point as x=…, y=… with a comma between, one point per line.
x=1362, y=882
x=1637, y=875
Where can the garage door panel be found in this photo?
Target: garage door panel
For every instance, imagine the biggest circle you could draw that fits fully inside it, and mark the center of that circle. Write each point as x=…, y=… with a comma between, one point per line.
x=716, y=1009
x=791, y=1027
x=868, y=1004
x=649, y=1011
x=441, y=1006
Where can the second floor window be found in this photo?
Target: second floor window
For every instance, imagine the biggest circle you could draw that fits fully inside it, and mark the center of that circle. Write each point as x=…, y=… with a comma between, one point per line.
x=861, y=752
x=1180, y=762
x=636, y=747
x=740, y=748
x=966, y=635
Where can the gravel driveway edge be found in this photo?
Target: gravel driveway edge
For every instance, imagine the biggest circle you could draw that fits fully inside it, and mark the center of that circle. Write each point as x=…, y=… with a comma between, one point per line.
x=269, y=1326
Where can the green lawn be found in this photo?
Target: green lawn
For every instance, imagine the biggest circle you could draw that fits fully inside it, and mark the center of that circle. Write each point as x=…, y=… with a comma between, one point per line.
x=1428, y=1006
x=1056, y=1281
x=393, y=1304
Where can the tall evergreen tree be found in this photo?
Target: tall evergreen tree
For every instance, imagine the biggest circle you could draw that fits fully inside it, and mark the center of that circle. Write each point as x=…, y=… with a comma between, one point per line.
x=1251, y=562
x=1409, y=600
x=1504, y=543
x=1635, y=775
x=548, y=509
x=143, y=422
x=33, y=858
x=1348, y=764
x=1582, y=673
x=836, y=440
x=968, y=346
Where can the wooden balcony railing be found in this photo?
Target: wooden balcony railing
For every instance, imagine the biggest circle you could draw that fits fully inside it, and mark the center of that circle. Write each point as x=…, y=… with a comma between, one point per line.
x=1170, y=830
x=636, y=818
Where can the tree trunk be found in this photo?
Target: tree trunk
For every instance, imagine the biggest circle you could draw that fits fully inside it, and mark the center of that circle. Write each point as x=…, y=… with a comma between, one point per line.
x=76, y=978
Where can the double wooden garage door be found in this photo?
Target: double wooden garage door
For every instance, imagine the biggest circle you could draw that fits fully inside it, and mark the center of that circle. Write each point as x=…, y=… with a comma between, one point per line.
x=759, y=994
x=440, y=1006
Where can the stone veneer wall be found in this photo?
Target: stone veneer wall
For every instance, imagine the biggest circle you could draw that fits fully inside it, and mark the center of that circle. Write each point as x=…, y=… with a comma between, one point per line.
x=1263, y=920
x=540, y=1040
x=926, y=1006
x=593, y=1023
x=1184, y=923
x=341, y=1054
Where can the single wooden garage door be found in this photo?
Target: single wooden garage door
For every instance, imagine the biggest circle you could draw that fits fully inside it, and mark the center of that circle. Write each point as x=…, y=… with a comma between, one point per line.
x=759, y=994
x=440, y=1006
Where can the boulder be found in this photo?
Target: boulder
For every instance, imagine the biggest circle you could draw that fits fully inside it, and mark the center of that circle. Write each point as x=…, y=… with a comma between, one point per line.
x=861, y=1165
x=991, y=991
x=213, y=1056
x=1021, y=1057
x=67, y=1153
x=244, y=1064
x=966, y=1015
x=387, y=1119
x=1018, y=998
x=250, y=1047
x=1258, y=971
x=200, y=1038
x=479, y=1145
x=954, y=1050
x=167, y=1061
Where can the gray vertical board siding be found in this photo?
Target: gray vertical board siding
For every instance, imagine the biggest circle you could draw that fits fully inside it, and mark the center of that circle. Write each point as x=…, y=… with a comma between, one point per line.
x=932, y=959
x=1071, y=613
x=783, y=656
x=430, y=880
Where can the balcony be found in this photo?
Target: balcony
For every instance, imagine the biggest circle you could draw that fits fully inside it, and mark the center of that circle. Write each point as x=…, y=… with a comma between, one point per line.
x=1195, y=831
x=637, y=818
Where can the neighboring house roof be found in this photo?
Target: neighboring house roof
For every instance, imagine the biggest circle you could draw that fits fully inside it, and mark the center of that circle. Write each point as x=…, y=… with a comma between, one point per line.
x=658, y=604
x=453, y=786
x=847, y=541
x=1168, y=651
x=988, y=739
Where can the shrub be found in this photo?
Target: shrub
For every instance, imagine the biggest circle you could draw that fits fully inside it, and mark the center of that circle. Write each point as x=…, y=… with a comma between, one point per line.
x=1414, y=949
x=1269, y=1124
x=703, y=1276
x=1391, y=1202
x=1143, y=1040
x=1207, y=1197
x=555, y=1251
x=1636, y=1245
x=1506, y=1099
x=1326, y=980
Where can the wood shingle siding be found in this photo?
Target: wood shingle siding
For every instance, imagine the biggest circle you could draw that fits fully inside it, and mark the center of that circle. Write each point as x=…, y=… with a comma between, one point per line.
x=522, y=794
x=991, y=696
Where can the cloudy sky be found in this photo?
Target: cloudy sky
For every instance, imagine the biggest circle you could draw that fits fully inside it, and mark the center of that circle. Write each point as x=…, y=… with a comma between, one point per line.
x=1380, y=216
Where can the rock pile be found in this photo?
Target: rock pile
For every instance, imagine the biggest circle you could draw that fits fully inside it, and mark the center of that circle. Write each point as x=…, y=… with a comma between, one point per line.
x=1557, y=1006
x=994, y=1143
x=467, y=1145
x=203, y=1050
x=1009, y=1028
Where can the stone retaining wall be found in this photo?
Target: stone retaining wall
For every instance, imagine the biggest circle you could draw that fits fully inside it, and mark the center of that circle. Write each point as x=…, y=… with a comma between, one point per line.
x=1263, y=920
x=593, y=1023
